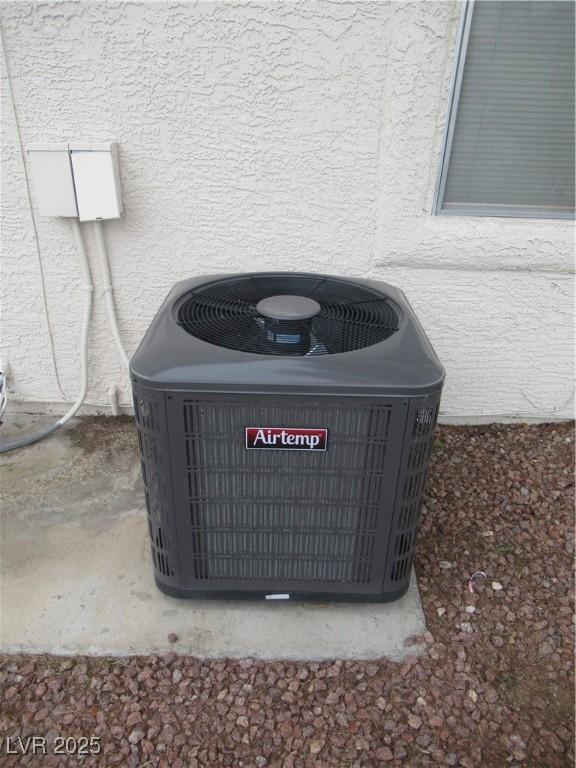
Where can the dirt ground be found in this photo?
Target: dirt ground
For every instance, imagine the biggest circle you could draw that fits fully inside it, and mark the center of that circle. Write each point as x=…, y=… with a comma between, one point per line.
x=494, y=687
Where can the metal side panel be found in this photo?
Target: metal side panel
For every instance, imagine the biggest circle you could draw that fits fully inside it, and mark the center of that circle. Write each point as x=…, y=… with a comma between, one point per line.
x=284, y=520
x=151, y=421
x=416, y=452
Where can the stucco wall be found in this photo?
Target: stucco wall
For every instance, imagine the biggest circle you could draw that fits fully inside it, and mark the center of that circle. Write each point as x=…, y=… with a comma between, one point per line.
x=269, y=135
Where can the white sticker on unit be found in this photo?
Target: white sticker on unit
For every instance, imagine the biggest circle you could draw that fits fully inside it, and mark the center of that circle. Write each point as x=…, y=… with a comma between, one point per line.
x=277, y=597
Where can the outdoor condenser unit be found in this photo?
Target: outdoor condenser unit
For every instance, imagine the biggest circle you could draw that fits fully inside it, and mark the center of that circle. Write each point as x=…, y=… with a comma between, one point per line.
x=286, y=423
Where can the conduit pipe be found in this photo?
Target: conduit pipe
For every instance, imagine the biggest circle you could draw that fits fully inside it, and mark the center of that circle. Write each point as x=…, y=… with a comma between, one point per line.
x=108, y=290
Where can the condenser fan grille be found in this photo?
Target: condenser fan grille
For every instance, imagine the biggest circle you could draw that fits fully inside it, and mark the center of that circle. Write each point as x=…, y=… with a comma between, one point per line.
x=348, y=316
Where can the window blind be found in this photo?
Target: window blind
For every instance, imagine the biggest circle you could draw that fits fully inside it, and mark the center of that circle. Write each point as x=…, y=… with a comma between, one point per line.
x=510, y=148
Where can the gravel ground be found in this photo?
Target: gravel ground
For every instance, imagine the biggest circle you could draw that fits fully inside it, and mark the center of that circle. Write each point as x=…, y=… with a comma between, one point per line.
x=494, y=688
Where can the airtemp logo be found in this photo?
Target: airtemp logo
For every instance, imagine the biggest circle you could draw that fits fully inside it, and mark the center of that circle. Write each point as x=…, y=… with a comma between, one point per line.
x=286, y=438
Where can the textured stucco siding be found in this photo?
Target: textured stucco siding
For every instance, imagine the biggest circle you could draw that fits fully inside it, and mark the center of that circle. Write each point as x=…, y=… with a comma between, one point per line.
x=300, y=136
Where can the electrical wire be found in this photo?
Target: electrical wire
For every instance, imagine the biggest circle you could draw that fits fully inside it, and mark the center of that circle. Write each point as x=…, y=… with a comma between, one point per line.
x=89, y=289
x=31, y=211
x=108, y=290
x=3, y=393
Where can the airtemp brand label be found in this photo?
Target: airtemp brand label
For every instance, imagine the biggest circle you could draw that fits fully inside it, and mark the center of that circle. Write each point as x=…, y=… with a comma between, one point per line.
x=286, y=438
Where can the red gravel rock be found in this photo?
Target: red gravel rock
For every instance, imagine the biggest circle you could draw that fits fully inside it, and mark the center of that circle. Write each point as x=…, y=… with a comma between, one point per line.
x=384, y=754
x=497, y=692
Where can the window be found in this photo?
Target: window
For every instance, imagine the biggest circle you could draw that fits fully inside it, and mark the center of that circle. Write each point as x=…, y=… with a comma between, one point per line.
x=509, y=145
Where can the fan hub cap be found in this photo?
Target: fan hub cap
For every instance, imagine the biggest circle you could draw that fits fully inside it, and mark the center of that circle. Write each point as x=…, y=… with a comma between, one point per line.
x=288, y=308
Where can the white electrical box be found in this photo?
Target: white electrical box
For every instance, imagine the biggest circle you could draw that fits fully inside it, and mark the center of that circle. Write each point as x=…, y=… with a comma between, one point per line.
x=53, y=182
x=96, y=180
x=79, y=179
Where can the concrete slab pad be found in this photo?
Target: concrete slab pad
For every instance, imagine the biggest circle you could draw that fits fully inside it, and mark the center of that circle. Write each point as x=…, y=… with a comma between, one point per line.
x=76, y=575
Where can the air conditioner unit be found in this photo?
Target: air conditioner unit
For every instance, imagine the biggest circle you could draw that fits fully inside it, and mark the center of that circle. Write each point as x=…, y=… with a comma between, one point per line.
x=286, y=423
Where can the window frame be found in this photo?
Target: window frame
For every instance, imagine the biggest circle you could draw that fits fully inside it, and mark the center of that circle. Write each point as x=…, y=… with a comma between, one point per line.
x=474, y=209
